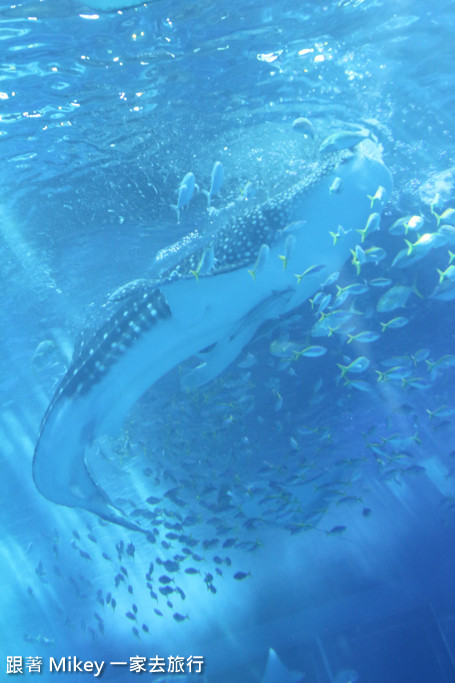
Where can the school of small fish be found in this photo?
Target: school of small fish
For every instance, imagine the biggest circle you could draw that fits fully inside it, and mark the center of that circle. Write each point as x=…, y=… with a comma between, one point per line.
x=347, y=341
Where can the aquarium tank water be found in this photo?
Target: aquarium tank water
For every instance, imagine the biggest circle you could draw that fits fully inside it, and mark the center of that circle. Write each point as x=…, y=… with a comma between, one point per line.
x=227, y=369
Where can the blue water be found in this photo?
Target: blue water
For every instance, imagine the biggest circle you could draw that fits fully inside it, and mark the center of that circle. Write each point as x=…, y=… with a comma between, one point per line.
x=340, y=501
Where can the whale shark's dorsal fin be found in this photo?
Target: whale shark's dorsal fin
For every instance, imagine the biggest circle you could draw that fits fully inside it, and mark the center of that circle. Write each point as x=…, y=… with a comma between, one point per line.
x=276, y=672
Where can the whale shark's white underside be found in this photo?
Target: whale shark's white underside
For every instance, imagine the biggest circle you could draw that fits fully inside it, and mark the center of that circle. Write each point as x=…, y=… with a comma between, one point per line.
x=160, y=323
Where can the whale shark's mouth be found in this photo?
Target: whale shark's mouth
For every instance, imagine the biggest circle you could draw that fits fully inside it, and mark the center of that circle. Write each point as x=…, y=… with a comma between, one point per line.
x=210, y=303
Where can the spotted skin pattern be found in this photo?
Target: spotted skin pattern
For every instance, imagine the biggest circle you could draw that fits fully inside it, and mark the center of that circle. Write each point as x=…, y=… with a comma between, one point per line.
x=95, y=358
x=236, y=245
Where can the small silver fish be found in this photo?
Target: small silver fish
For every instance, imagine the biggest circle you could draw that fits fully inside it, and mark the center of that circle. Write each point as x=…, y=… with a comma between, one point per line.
x=358, y=365
x=206, y=263
x=186, y=190
x=289, y=246
x=336, y=185
x=379, y=198
x=393, y=298
x=261, y=260
x=216, y=182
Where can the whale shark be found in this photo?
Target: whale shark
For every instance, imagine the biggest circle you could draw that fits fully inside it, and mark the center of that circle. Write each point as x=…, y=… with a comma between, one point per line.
x=208, y=303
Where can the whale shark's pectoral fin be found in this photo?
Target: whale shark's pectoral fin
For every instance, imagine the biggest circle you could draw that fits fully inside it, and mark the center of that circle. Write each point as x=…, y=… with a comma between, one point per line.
x=219, y=356
x=276, y=672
